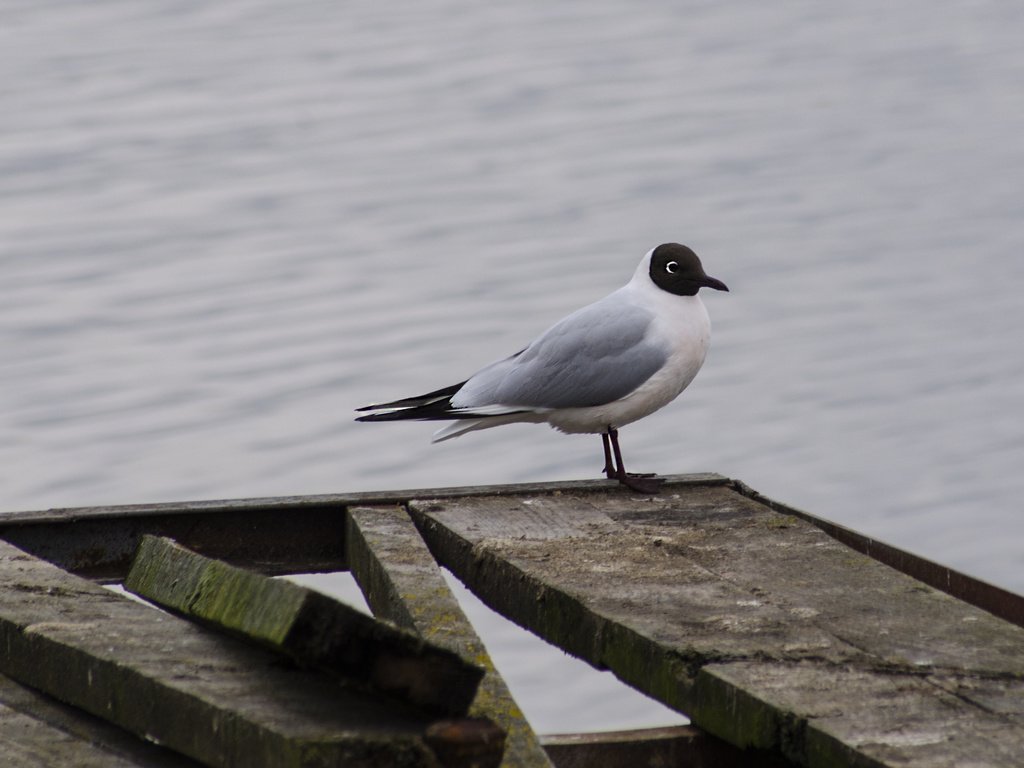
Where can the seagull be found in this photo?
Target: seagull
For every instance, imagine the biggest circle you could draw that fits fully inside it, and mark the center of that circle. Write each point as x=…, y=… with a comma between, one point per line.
x=603, y=366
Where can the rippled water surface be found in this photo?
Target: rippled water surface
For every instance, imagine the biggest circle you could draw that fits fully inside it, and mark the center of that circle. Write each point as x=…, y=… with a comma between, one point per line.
x=224, y=226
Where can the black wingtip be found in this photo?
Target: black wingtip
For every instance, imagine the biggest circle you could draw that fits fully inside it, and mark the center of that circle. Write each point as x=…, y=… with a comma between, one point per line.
x=443, y=394
x=401, y=414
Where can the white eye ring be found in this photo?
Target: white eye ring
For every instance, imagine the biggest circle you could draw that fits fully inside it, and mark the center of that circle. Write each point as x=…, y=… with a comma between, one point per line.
x=672, y=267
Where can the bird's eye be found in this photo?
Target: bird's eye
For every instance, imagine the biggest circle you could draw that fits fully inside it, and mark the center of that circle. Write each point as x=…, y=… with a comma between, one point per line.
x=672, y=267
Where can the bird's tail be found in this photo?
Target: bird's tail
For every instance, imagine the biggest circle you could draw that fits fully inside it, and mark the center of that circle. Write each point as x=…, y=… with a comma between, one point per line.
x=437, y=406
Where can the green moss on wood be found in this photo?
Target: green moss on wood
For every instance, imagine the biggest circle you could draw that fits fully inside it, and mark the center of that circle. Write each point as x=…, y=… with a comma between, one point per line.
x=313, y=629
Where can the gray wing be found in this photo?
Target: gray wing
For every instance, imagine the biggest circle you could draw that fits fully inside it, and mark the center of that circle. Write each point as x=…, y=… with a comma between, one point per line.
x=594, y=356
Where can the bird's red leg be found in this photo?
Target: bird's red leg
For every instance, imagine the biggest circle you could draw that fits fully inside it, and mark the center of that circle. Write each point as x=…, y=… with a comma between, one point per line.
x=640, y=483
x=609, y=468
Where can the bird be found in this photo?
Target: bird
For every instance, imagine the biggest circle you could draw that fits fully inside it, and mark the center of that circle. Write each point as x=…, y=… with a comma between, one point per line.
x=596, y=370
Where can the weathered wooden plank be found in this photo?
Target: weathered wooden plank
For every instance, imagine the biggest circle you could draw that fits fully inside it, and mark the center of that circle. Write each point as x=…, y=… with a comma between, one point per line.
x=313, y=629
x=294, y=504
x=290, y=534
x=402, y=583
x=216, y=699
x=996, y=600
x=682, y=593
x=39, y=732
x=857, y=716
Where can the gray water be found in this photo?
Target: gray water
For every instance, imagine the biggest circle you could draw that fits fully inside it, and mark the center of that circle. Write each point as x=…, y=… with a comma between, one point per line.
x=224, y=226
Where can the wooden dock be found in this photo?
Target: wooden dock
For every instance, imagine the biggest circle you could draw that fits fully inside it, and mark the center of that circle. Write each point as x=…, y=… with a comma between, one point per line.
x=786, y=639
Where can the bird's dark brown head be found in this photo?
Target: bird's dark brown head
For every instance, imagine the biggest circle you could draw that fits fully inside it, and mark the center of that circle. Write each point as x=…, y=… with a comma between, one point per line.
x=676, y=269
